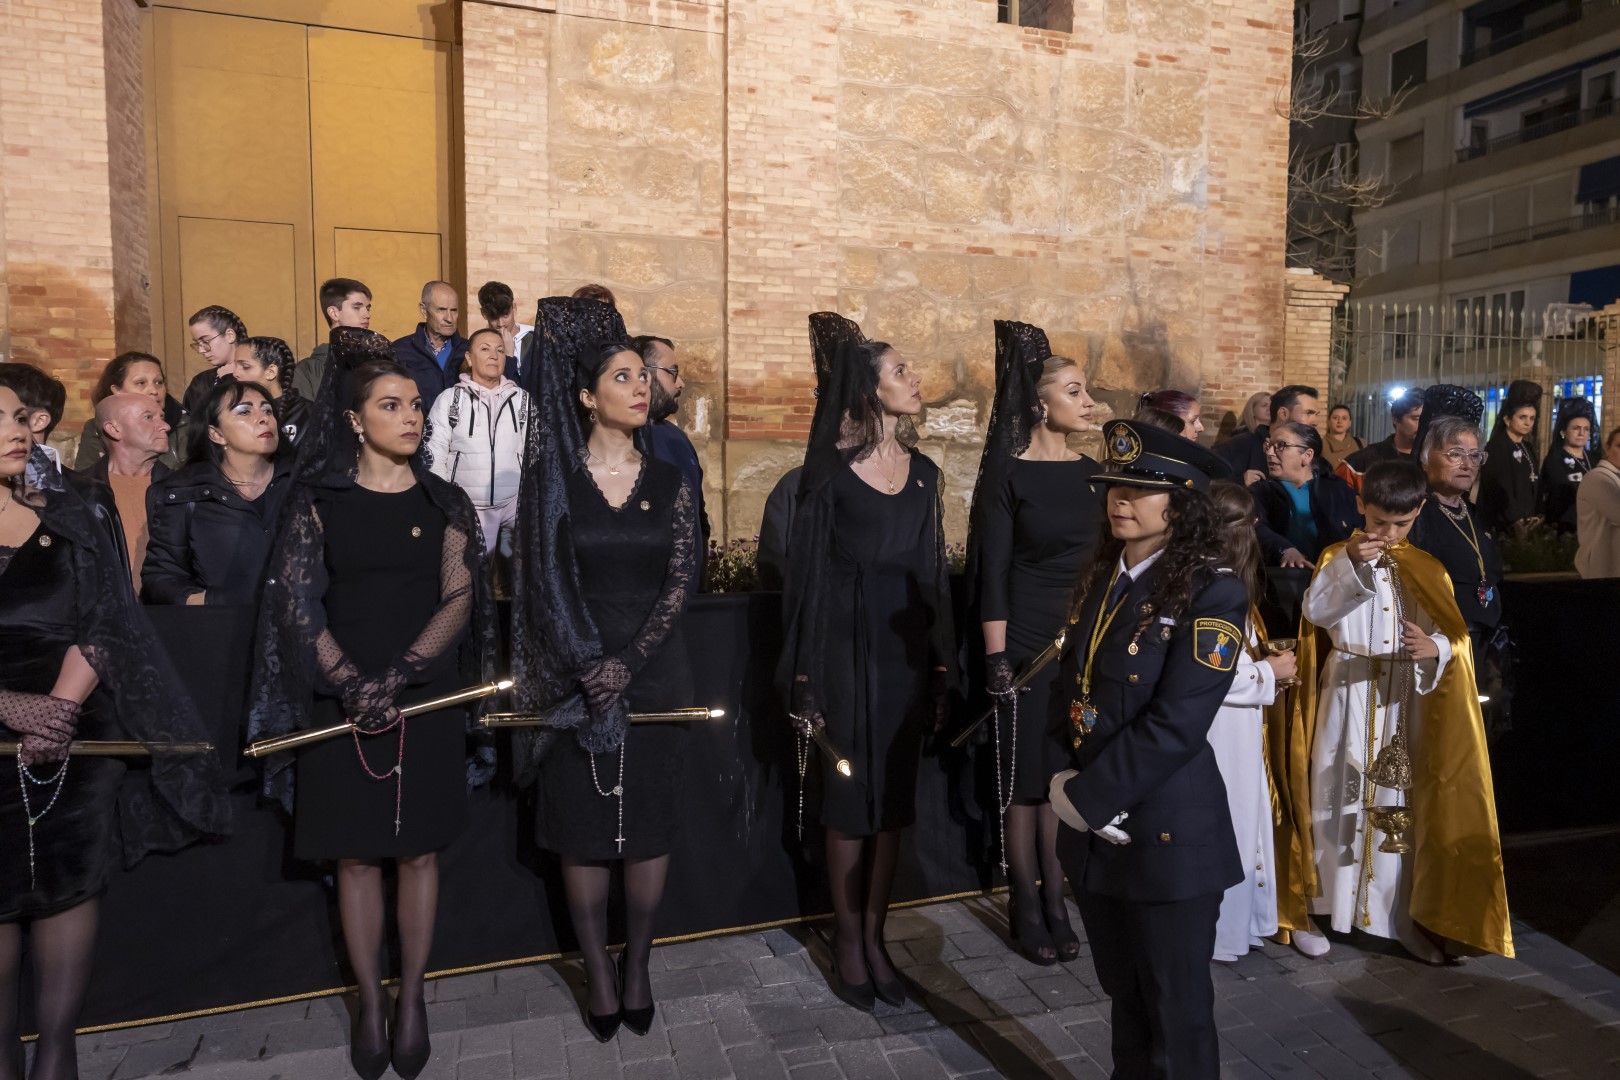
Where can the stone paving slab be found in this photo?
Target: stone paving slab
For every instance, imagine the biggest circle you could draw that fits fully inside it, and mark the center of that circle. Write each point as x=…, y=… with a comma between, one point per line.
x=757, y=1005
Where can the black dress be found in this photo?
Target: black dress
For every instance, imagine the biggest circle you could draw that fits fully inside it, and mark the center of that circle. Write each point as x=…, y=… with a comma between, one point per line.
x=1035, y=537
x=636, y=566
x=384, y=560
x=1451, y=541
x=1561, y=475
x=74, y=851
x=1509, y=483
x=879, y=599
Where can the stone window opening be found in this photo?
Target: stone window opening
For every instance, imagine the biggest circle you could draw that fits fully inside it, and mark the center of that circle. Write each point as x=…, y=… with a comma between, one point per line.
x=1038, y=14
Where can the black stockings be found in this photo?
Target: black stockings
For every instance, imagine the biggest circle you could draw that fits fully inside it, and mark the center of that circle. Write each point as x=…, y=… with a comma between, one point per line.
x=62, y=947
x=586, y=885
x=361, y=911
x=1033, y=872
x=860, y=875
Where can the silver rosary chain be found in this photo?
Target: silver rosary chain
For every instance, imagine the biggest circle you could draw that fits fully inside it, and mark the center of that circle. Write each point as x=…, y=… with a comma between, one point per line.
x=1004, y=798
x=24, y=778
x=617, y=792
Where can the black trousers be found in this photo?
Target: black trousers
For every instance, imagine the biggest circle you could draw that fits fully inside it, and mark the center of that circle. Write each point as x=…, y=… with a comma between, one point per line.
x=1153, y=962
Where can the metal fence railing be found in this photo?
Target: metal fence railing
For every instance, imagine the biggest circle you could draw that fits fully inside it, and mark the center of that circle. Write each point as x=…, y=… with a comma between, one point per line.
x=1382, y=350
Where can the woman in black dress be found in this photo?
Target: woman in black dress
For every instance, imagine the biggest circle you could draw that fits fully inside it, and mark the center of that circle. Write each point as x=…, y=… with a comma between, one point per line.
x=1567, y=462
x=1032, y=531
x=1509, y=482
x=77, y=660
x=868, y=629
x=376, y=591
x=608, y=549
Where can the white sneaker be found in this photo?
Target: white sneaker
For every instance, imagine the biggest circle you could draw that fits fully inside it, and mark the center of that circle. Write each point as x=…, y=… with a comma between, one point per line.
x=1311, y=943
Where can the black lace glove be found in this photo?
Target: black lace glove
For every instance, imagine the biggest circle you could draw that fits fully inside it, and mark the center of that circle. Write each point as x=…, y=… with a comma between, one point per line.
x=44, y=723
x=603, y=684
x=939, y=698
x=803, y=708
x=369, y=703
x=998, y=674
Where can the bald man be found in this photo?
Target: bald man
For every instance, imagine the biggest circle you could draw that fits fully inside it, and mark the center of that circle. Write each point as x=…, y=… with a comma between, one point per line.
x=432, y=355
x=135, y=434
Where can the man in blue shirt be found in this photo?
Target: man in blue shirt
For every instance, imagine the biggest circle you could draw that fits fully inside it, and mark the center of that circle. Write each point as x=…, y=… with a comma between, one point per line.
x=669, y=442
x=433, y=354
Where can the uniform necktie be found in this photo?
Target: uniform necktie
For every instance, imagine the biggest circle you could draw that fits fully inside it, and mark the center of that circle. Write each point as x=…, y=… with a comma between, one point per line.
x=1122, y=585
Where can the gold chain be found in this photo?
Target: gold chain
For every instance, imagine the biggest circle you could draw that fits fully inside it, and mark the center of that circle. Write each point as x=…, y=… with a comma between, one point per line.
x=1472, y=535
x=1099, y=627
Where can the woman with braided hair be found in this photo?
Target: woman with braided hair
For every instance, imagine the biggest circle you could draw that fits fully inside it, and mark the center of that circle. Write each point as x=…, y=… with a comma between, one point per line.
x=868, y=629
x=605, y=559
x=376, y=590
x=1029, y=537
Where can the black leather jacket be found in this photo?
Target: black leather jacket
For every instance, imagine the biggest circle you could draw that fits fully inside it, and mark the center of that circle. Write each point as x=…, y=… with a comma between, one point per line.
x=204, y=537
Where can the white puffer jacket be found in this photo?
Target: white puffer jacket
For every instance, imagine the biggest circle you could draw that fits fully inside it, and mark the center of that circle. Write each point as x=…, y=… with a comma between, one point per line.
x=475, y=439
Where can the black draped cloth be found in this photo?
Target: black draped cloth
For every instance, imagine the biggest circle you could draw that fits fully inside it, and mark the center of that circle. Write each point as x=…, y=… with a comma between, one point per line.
x=1509, y=483
x=637, y=564
x=63, y=587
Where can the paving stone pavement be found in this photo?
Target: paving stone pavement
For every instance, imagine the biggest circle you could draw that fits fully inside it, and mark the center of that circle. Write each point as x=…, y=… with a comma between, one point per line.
x=757, y=1005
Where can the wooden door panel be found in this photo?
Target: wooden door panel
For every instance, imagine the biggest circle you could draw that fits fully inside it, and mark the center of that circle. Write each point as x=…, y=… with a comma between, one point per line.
x=394, y=265
x=248, y=266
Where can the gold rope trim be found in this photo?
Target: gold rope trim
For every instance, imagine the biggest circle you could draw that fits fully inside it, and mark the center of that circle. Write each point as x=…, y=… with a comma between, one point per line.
x=496, y=965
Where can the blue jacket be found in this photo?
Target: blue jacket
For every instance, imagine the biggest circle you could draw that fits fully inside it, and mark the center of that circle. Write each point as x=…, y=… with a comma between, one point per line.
x=417, y=359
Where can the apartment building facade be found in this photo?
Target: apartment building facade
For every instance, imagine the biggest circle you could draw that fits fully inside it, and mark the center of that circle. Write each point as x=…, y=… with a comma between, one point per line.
x=1503, y=158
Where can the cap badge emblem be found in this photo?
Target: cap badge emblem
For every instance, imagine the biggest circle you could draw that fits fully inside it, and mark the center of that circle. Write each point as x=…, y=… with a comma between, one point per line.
x=1124, y=446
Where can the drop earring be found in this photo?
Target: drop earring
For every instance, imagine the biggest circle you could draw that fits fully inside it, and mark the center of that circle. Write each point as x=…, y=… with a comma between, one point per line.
x=360, y=436
x=593, y=417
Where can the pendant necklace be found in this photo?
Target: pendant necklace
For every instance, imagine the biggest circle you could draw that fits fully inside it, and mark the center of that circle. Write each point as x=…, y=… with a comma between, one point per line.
x=612, y=467
x=1485, y=592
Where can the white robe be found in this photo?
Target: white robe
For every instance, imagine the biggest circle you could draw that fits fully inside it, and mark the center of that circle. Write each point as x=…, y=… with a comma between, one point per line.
x=1249, y=908
x=1355, y=605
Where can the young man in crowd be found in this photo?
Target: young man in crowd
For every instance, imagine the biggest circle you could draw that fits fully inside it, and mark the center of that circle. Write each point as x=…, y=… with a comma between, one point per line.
x=1245, y=454
x=1405, y=413
x=498, y=306
x=344, y=302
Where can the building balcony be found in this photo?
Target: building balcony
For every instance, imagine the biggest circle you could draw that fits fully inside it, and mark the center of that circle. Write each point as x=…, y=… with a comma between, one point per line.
x=1532, y=132
x=1592, y=219
x=1571, y=13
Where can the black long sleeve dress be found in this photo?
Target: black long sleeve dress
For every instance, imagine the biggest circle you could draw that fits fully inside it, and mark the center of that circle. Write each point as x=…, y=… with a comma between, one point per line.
x=637, y=566
x=64, y=587
x=1509, y=483
x=885, y=624
x=1561, y=476
x=1035, y=537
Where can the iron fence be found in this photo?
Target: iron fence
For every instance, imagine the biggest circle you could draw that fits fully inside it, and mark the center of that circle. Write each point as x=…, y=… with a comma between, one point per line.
x=1380, y=351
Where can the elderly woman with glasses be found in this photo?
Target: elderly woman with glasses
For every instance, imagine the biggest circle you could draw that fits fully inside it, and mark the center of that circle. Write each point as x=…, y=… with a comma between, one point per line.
x=1303, y=507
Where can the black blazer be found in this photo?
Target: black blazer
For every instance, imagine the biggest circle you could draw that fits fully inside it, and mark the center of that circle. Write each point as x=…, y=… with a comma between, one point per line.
x=204, y=537
x=1333, y=505
x=1149, y=754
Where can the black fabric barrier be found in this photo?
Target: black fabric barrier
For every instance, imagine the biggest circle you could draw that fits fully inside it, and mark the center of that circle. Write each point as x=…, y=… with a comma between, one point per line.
x=240, y=921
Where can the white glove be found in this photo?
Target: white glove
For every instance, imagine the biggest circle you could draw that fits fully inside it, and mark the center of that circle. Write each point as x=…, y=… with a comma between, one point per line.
x=1112, y=832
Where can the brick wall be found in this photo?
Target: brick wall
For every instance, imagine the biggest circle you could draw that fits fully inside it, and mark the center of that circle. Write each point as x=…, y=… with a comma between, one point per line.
x=126, y=172
x=55, y=188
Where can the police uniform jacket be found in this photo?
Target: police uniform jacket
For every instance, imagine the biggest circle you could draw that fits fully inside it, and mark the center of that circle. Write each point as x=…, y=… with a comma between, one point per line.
x=1149, y=754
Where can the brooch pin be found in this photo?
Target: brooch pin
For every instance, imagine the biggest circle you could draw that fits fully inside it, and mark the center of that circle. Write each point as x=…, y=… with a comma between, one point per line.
x=416, y=531
x=645, y=505
x=45, y=541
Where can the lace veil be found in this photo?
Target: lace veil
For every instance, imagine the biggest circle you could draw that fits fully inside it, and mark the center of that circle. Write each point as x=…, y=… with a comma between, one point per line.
x=553, y=635
x=180, y=797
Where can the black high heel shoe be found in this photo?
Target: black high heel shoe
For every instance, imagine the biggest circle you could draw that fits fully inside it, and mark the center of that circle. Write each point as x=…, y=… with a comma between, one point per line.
x=369, y=1058
x=410, y=1058
x=1064, y=937
x=892, y=992
x=1029, y=934
x=856, y=995
x=605, y=1027
x=639, y=1021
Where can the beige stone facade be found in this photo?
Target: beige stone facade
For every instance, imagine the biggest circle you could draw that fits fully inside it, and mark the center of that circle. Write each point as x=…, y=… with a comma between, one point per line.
x=729, y=167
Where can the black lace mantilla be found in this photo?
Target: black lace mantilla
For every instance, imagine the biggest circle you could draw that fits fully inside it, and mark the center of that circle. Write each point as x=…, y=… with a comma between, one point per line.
x=181, y=797
x=558, y=661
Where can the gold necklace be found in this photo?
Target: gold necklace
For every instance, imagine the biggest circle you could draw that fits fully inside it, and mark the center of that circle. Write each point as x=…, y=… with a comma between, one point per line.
x=613, y=469
x=888, y=478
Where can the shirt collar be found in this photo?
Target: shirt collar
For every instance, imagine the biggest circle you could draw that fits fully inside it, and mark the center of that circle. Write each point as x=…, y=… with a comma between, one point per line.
x=1136, y=572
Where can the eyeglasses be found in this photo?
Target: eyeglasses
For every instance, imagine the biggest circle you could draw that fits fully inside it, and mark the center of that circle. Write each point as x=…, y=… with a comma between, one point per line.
x=202, y=343
x=1457, y=455
x=1278, y=447
x=673, y=370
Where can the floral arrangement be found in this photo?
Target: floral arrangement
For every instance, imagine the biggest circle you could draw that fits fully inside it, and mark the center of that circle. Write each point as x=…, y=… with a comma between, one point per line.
x=1535, y=547
x=732, y=568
